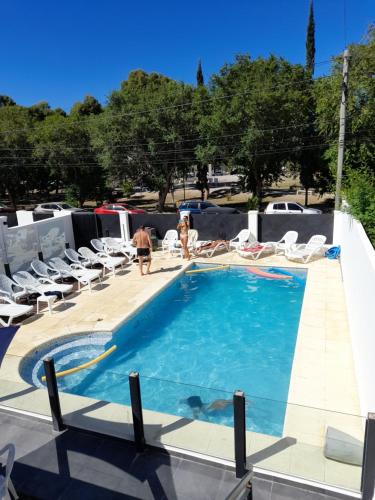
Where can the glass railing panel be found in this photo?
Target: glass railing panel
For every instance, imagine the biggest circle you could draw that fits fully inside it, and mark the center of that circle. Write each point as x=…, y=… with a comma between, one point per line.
x=19, y=393
x=188, y=417
x=310, y=443
x=89, y=404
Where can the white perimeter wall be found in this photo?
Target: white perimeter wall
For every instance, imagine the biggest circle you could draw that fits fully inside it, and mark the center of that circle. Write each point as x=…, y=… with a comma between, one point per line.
x=358, y=270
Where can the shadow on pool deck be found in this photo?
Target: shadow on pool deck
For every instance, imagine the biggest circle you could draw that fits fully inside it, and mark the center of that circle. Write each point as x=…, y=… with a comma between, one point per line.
x=74, y=464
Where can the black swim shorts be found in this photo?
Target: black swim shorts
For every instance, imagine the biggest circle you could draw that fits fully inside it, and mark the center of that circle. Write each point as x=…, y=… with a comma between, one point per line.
x=143, y=252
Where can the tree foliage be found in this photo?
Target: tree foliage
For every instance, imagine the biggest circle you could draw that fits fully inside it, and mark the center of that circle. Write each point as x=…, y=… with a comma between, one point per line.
x=145, y=131
x=359, y=191
x=200, y=77
x=257, y=109
x=15, y=153
x=262, y=117
x=310, y=41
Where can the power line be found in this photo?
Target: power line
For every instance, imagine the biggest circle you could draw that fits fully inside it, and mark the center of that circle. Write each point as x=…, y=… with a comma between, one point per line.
x=186, y=104
x=185, y=150
x=203, y=137
x=191, y=160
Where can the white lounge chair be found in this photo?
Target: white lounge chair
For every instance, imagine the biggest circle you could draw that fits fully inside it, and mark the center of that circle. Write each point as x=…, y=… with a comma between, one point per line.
x=107, y=261
x=305, y=252
x=208, y=249
x=44, y=271
x=82, y=275
x=102, y=248
x=118, y=245
x=76, y=258
x=169, y=241
x=255, y=250
x=41, y=285
x=245, y=235
x=12, y=310
x=11, y=289
x=6, y=485
x=286, y=242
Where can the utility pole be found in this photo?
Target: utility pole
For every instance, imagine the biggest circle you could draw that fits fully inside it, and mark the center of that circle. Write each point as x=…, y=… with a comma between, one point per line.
x=340, y=155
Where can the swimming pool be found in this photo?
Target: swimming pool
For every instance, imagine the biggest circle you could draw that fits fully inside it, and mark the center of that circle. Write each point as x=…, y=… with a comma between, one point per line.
x=207, y=334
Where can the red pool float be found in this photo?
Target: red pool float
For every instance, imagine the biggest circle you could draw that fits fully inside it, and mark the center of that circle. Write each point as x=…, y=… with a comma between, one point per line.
x=265, y=274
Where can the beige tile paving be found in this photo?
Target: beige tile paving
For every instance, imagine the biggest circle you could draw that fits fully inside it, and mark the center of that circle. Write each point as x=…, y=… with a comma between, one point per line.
x=323, y=389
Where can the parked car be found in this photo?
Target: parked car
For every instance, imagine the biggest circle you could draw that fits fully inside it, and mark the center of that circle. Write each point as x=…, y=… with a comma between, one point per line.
x=220, y=210
x=115, y=208
x=49, y=208
x=289, y=207
x=195, y=207
x=5, y=209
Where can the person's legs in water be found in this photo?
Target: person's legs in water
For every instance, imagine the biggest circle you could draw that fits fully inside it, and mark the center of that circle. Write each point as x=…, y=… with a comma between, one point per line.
x=140, y=258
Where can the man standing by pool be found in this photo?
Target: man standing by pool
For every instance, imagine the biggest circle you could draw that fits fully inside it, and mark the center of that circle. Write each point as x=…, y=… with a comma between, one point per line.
x=142, y=241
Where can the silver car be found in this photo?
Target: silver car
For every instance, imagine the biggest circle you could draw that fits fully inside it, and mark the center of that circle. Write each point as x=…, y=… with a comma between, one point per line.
x=289, y=207
x=49, y=208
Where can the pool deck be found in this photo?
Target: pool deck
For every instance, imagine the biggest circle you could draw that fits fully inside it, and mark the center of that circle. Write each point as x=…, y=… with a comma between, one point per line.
x=323, y=388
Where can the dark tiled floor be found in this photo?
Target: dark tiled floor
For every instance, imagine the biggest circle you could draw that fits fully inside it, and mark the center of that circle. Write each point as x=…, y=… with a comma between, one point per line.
x=74, y=464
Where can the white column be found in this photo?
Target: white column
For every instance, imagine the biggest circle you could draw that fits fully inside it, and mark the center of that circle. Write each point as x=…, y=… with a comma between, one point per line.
x=124, y=226
x=338, y=221
x=24, y=217
x=253, y=222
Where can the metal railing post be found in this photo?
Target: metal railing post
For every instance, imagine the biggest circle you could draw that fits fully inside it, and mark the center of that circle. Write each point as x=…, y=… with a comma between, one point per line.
x=136, y=403
x=239, y=433
x=368, y=463
x=53, y=394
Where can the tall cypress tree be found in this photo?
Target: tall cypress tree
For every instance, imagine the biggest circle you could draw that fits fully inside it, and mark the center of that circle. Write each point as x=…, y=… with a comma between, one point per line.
x=310, y=41
x=200, y=78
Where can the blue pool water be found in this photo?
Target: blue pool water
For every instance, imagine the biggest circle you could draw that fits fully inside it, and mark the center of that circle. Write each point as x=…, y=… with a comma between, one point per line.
x=205, y=335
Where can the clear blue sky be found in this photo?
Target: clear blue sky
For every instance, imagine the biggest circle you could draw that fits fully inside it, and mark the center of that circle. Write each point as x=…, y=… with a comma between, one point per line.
x=62, y=51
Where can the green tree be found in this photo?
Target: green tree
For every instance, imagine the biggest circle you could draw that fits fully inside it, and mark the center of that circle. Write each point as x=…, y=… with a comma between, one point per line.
x=310, y=41
x=202, y=107
x=63, y=146
x=359, y=191
x=143, y=133
x=6, y=101
x=89, y=106
x=257, y=109
x=200, y=78
x=16, y=170
x=360, y=143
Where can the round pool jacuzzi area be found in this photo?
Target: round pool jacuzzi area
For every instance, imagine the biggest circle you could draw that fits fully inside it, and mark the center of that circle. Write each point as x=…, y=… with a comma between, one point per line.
x=67, y=351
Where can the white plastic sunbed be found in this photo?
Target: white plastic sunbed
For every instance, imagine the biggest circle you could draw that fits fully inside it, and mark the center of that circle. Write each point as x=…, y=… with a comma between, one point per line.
x=209, y=251
x=242, y=237
x=118, y=245
x=11, y=289
x=286, y=242
x=169, y=241
x=76, y=258
x=107, y=261
x=7, y=489
x=305, y=252
x=102, y=248
x=41, y=285
x=82, y=275
x=44, y=271
x=12, y=310
x=255, y=250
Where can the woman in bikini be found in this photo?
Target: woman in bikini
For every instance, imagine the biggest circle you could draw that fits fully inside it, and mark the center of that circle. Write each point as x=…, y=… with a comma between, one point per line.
x=184, y=227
